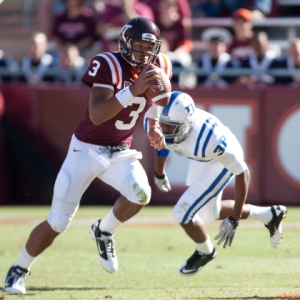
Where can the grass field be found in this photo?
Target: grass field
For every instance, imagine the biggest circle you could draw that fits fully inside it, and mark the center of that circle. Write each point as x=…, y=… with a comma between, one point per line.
x=150, y=249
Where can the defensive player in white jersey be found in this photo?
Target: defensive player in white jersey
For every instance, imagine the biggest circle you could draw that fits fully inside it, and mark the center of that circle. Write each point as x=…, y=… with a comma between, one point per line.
x=100, y=147
x=215, y=158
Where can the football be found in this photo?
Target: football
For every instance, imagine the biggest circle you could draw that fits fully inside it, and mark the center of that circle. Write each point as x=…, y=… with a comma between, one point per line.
x=161, y=95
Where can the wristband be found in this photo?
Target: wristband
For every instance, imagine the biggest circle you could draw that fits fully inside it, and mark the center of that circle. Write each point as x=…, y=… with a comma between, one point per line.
x=124, y=96
x=162, y=153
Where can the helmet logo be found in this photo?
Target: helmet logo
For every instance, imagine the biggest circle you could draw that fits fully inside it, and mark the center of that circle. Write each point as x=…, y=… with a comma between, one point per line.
x=190, y=109
x=148, y=37
x=123, y=30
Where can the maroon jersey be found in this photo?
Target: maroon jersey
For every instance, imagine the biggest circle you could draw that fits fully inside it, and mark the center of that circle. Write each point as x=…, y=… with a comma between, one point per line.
x=110, y=70
x=69, y=30
x=240, y=49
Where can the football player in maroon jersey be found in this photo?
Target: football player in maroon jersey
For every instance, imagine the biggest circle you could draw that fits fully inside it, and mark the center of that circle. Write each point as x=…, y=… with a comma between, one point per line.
x=100, y=147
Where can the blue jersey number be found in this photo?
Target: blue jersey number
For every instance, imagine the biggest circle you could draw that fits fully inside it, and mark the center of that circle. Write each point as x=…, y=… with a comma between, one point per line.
x=221, y=148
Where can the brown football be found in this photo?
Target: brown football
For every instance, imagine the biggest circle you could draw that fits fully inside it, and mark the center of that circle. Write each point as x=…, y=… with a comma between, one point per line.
x=161, y=95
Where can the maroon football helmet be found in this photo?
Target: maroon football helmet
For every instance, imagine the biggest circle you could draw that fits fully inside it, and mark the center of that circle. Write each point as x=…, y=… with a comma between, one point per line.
x=139, y=29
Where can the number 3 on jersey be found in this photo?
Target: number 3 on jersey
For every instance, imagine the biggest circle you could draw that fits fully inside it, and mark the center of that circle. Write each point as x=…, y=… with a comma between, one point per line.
x=134, y=114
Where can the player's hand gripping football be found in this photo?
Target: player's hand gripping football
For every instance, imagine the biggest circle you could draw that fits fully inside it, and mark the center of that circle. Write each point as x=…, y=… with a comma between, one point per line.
x=227, y=229
x=162, y=183
x=144, y=80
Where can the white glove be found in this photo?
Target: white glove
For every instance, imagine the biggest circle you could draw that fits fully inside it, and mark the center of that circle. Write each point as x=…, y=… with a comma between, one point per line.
x=227, y=228
x=162, y=183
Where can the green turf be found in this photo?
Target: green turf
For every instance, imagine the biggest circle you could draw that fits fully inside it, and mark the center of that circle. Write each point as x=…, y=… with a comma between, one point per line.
x=150, y=253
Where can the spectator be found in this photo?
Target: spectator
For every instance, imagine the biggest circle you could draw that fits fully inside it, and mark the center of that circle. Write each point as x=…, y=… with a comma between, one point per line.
x=48, y=9
x=7, y=67
x=291, y=63
x=185, y=79
x=243, y=33
x=117, y=13
x=174, y=32
x=38, y=62
x=224, y=8
x=258, y=61
x=72, y=66
x=216, y=59
x=76, y=25
x=183, y=9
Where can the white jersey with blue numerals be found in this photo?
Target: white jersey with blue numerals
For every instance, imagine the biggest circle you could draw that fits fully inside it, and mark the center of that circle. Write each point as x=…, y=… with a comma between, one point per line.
x=209, y=140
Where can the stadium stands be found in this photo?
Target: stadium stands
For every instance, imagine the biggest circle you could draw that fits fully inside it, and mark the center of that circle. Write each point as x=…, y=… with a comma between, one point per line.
x=18, y=20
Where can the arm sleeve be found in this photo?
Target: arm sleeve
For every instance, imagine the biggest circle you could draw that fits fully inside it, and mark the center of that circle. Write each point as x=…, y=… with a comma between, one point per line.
x=153, y=112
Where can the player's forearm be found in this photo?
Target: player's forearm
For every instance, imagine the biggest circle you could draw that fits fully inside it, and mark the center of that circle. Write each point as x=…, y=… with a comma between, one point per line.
x=160, y=165
x=103, y=111
x=103, y=105
x=241, y=192
x=153, y=123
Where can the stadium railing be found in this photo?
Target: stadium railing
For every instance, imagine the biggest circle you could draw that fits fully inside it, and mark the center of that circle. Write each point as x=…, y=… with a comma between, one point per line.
x=290, y=24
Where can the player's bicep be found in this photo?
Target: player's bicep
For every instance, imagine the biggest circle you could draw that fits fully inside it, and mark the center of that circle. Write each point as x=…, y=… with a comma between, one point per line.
x=99, y=94
x=102, y=105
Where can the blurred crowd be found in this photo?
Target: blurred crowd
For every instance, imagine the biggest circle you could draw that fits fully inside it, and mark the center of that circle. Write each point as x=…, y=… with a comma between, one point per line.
x=71, y=32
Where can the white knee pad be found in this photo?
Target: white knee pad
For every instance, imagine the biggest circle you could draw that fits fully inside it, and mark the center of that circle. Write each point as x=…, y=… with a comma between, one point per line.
x=61, y=214
x=135, y=187
x=59, y=222
x=141, y=193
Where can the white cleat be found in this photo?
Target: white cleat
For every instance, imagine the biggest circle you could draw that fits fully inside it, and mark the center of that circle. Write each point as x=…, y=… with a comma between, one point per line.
x=275, y=225
x=106, y=247
x=15, y=280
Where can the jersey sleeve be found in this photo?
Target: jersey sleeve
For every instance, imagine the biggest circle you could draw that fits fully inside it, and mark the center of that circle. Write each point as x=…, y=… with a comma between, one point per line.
x=104, y=70
x=153, y=112
x=233, y=157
